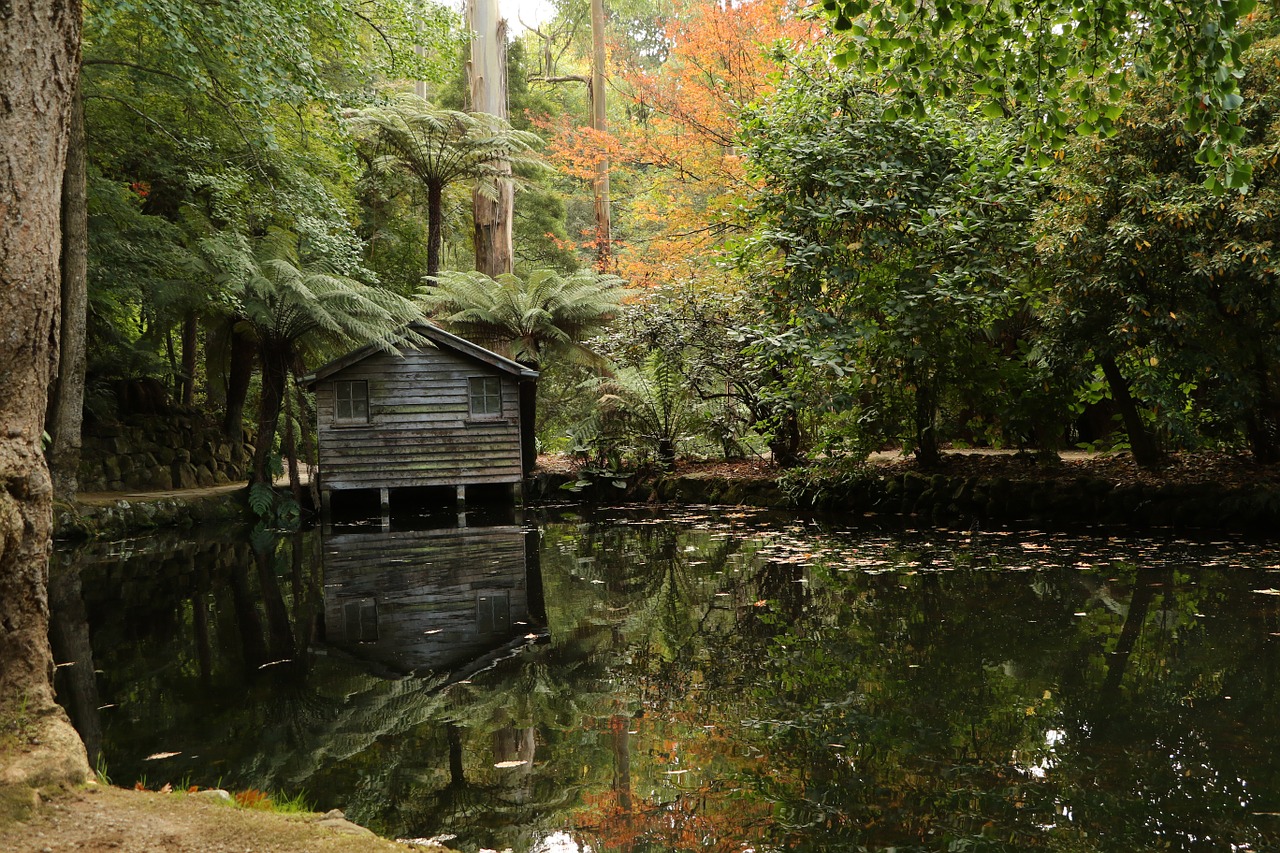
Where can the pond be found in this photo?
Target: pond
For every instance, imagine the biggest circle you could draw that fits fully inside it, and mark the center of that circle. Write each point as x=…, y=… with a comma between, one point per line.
x=710, y=679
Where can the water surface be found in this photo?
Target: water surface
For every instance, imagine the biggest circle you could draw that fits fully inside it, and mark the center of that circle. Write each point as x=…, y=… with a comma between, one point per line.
x=719, y=680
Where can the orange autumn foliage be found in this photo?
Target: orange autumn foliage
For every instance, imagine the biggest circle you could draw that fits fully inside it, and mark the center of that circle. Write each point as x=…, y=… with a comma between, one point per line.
x=675, y=163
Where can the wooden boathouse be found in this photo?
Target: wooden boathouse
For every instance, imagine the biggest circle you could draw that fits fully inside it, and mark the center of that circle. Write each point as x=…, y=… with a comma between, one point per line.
x=446, y=415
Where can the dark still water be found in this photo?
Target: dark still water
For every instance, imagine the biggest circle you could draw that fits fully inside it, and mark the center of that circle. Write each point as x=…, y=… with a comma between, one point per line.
x=713, y=680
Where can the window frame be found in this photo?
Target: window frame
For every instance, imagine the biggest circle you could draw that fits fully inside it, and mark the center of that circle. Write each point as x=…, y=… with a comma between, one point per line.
x=484, y=395
x=350, y=419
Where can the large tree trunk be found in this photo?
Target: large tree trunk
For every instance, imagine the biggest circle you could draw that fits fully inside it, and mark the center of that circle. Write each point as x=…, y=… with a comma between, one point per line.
x=275, y=372
x=1262, y=422
x=487, y=71
x=928, y=450
x=604, y=228
x=190, y=334
x=39, y=57
x=239, y=375
x=66, y=408
x=1141, y=443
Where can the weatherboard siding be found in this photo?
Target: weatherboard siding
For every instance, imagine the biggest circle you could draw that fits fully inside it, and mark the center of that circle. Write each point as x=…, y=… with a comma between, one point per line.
x=421, y=595
x=420, y=432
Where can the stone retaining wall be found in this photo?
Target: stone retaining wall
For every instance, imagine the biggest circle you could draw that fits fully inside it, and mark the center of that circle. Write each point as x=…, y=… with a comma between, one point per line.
x=183, y=450
x=129, y=517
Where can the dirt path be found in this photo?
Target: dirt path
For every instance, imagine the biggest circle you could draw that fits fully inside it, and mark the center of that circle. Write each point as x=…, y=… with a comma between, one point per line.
x=100, y=819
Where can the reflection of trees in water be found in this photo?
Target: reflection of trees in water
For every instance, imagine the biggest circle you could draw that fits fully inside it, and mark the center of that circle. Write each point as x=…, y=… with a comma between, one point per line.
x=75, y=681
x=910, y=708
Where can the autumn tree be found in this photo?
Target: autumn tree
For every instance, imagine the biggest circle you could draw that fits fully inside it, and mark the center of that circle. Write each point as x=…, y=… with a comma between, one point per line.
x=39, y=58
x=677, y=157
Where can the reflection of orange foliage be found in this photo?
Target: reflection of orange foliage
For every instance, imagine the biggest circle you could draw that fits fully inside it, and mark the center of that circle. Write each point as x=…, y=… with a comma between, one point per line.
x=707, y=819
x=677, y=160
x=712, y=815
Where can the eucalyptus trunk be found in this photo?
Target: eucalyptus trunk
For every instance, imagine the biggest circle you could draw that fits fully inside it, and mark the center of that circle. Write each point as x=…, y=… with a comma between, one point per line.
x=599, y=123
x=39, y=58
x=492, y=212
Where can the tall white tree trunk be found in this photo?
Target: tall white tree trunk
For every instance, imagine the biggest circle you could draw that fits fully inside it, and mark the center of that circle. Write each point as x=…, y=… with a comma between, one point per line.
x=493, y=204
x=604, y=246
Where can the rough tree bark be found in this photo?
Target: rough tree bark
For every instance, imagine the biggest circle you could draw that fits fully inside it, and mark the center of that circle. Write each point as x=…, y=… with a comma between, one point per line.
x=39, y=61
x=190, y=334
x=66, y=406
x=493, y=210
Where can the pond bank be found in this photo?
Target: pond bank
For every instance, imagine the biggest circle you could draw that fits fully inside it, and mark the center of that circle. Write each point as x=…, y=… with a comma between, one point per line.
x=113, y=515
x=101, y=817
x=1194, y=491
x=1207, y=491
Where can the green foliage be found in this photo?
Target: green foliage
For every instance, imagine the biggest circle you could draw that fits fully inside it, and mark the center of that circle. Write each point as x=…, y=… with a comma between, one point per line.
x=901, y=267
x=654, y=404
x=699, y=331
x=1168, y=277
x=262, y=499
x=1059, y=65
x=439, y=146
x=543, y=315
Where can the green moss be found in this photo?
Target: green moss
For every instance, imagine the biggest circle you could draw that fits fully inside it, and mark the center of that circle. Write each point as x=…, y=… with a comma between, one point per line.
x=17, y=802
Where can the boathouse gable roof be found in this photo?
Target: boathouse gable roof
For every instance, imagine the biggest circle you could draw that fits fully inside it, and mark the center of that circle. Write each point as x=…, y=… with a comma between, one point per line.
x=440, y=339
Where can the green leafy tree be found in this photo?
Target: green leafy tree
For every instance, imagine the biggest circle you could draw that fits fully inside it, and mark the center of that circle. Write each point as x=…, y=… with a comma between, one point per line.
x=543, y=316
x=1062, y=65
x=295, y=305
x=439, y=147
x=1167, y=286
x=226, y=113
x=898, y=250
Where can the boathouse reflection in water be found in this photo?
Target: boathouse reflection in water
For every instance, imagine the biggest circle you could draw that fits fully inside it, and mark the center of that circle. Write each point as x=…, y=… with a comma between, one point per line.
x=442, y=600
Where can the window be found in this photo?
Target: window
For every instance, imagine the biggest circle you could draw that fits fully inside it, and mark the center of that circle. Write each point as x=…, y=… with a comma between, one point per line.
x=351, y=402
x=360, y=620
x=486, y=396
x=493, y=612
